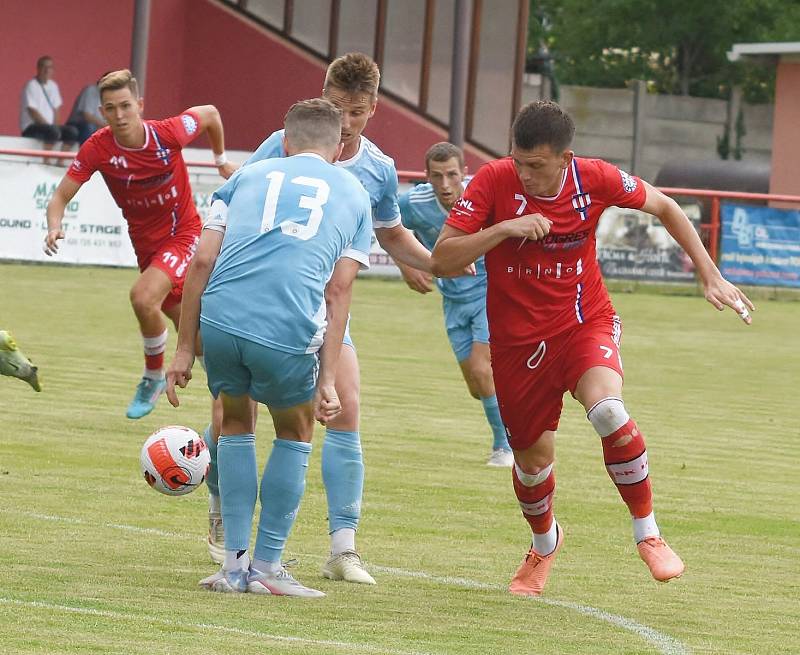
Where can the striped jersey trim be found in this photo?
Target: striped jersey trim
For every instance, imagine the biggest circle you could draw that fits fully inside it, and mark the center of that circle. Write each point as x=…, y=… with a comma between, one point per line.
x=578, y=308
x=581, y=200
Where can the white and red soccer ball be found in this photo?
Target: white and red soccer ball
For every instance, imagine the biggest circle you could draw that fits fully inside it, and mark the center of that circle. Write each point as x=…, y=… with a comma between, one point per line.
x=175, y=460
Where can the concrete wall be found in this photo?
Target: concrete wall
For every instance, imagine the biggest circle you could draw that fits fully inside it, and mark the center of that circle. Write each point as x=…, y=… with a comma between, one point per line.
x=673, y=127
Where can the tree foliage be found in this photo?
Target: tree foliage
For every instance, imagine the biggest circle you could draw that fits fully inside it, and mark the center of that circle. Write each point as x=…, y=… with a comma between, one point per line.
x=677, y=47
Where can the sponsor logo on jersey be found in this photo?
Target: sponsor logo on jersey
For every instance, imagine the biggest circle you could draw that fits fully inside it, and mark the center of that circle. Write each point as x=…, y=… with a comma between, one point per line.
x=189, y=123
x=556, y=270
x=565, y=241
x=628, y=182
x=76, y=164
x=465, y=204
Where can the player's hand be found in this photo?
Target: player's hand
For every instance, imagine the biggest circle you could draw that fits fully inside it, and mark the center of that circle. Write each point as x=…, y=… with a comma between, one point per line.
x=417, y=280
x=179, y=372
x=467, y=270
x=227, y=169
x=531, y=227
x=51, y=241
x=719, y=292
x=326, y=404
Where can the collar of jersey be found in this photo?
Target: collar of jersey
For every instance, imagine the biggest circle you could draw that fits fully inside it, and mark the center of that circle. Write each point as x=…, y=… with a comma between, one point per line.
x=355, y=157
x=309, y=154
x=560, y=189
x=146, y=139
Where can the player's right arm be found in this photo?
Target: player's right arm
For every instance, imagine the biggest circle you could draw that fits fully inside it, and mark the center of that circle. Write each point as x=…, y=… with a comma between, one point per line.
x=180, y=370
x=417, y=280
x=467, y=234
x=65, y=191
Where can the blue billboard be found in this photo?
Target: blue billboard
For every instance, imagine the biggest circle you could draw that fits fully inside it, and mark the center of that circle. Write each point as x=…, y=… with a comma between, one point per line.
x=760, y=245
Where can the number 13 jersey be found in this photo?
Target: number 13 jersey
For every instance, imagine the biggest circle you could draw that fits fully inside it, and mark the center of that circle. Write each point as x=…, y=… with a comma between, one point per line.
x=286, y=223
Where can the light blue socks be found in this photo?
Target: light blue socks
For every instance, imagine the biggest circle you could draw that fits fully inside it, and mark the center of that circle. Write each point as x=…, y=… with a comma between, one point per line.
x=343, y=475
x=212, y=479
x=492, y=410
x=282, y=488
x=238, y=479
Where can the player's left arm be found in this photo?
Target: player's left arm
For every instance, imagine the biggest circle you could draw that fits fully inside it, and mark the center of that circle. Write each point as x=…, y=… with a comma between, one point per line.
x=210, y=121
x=403, y=246
x=180, y=370
x=717, y=290
x=338, y=293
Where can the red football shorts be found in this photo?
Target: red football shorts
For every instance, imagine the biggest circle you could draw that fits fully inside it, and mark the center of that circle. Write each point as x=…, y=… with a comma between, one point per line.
x=530, y=380
x=171, y=256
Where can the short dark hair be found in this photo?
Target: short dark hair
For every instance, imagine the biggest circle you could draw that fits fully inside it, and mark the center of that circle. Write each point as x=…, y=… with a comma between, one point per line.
x=443, y=151
x=543, y=123
x=353, y=73
x=41, y=61
x=313, y=123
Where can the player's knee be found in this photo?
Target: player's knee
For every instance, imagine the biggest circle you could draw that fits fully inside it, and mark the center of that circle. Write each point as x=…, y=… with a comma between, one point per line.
x=142, y=301
x=608, y=415
x=534, y=475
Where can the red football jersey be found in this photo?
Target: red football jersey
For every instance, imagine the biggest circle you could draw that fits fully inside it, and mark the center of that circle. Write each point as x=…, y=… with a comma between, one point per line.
x=149, y=184
x=541, y=288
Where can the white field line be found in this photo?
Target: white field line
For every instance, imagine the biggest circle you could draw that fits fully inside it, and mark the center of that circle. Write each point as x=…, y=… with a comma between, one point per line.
x=211, y=627
x=663, y=643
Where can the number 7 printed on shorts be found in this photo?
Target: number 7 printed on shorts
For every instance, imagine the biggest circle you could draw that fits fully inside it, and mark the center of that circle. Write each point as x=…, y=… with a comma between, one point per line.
x=607, y=352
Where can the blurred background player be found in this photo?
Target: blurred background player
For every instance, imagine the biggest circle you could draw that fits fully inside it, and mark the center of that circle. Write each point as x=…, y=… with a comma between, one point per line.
x=15, y=364
x=289, y=226
x=534, y=214
x=424, y=210
x=351, y=83
x=86, y=116
x=141, y=163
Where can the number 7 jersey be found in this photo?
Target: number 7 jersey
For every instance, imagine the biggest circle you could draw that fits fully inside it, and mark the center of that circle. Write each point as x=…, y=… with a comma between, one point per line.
x=537, y=289
x=286, y=223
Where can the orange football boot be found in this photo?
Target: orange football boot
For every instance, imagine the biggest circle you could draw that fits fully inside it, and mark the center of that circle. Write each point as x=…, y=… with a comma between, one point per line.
x=662, y=561
x=531, y=576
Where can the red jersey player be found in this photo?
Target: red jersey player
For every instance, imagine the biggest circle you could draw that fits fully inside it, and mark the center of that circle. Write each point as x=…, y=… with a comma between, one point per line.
x=553, y=328
x=141, y=162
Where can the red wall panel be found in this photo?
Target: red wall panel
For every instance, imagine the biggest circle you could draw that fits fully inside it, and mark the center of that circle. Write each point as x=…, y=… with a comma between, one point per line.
x=200, y=52
x=85, y=39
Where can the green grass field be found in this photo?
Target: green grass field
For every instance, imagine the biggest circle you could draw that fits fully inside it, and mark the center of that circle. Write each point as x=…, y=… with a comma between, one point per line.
x=93, y=561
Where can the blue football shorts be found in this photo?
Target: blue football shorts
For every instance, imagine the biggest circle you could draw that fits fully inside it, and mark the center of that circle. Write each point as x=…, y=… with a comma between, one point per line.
x=465, y=323
x=238, y=366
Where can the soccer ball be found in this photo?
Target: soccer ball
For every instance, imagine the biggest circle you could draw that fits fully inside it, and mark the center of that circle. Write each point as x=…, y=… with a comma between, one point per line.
x=175, y=460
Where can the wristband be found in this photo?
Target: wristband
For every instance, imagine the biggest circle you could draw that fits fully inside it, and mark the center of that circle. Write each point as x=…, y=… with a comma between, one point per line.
x=220, y=159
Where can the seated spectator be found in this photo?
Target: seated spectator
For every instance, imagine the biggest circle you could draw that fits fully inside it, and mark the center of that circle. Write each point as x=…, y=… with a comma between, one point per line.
x=86, y=116
x=40, y=102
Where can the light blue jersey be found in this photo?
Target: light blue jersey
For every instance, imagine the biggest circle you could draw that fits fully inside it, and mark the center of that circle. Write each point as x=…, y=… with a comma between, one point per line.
x=369, y=165
x=286, y=222
x=424, y=215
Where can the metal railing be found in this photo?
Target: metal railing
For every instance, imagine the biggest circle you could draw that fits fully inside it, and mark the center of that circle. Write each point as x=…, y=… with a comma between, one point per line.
x=710, y=229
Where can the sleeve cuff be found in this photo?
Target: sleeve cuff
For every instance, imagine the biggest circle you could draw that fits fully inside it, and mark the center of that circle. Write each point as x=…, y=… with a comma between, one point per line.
x=384, y=223
x=359, y=256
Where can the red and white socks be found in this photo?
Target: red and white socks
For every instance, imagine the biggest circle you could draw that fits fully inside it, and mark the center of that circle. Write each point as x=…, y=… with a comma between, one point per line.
x=535, y=494
x=625, y=457
x=154, y=356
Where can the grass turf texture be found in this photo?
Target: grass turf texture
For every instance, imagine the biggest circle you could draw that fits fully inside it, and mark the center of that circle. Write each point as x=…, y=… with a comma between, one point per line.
x=715, y=401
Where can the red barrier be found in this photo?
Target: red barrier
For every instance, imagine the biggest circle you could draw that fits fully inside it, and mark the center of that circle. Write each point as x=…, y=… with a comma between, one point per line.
x=713, y=226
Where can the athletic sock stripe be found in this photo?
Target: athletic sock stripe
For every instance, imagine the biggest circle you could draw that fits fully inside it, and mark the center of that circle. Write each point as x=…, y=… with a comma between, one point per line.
x=630, y=472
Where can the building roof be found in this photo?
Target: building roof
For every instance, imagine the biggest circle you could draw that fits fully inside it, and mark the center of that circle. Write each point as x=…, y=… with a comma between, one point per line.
x=779, y=49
